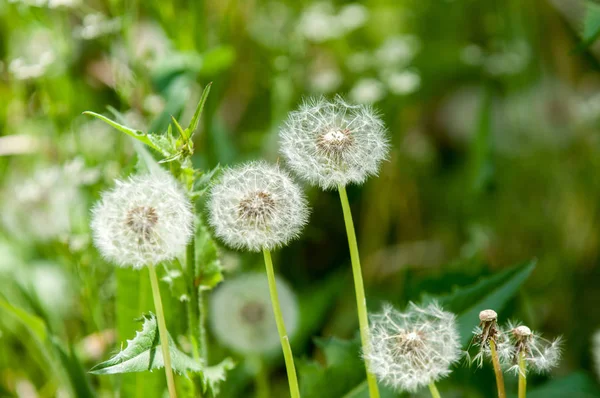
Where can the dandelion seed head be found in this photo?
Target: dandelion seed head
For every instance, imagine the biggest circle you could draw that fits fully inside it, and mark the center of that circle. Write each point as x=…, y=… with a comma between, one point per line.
x=143, y=220
x=246, y=322
x=413, y=348
x=257, y=206
x=488, y=316
x=540, y=354
x=332, y=143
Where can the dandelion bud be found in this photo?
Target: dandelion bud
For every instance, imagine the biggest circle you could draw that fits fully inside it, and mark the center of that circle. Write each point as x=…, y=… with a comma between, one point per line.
x=333, y=143
x=143, y=220
x=488, y=316
x=244, y=319
x=414, y=348
x=257, y=206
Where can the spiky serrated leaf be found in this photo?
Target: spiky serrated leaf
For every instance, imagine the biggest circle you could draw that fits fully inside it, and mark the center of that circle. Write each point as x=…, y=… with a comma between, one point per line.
x=208, y=271
x=213, y=376
x=489, y=293
x=144, y=353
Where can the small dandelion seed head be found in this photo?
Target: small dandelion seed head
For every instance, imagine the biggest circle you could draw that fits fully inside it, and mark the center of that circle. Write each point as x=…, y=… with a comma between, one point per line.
x=331, y=143
x=488, y=316
x=246, y=323
x=413, y=348
x=257, y=206
x=521, y=332
x=540, y=354
x=143, y=220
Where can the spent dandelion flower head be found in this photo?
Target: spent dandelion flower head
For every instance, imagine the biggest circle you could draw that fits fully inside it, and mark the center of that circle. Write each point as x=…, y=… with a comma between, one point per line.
x=143, y=220
x=414, y=348
x=246, y=322
x=257, y=206
x=540, y=354
x=488, y=330
x=332, y=143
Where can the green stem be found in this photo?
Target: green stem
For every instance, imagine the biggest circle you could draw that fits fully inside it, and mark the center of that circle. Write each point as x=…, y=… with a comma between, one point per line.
x=202, y=324
x=522, y=376
x=262, y=379
x=192, y=304
x=434, y=391
x=497, y=370
x=361, y=302
x=162, y=331
x=283, y=337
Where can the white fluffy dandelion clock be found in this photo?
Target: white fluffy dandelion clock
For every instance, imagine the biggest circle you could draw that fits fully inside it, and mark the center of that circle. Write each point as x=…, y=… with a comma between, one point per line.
x=415, y=348
x=333, y=144
x=143, y=220
x=257, y=206
x=246, y=322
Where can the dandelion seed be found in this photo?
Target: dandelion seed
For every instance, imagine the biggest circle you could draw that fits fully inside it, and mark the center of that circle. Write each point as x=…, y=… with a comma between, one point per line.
x=333, y=143
x=245, y=320
x=144, y=220
x=257, y=206
x=415, y=348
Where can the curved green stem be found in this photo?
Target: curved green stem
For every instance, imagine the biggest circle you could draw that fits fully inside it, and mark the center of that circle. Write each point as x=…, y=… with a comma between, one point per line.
x=497, y=370
x=283, y=337
x=522, y=376
x=434, y=391
x=361, y=303
x=162, y=331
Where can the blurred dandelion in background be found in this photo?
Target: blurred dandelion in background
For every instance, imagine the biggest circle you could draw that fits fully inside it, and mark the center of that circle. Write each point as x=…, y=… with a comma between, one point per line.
x=245, y=321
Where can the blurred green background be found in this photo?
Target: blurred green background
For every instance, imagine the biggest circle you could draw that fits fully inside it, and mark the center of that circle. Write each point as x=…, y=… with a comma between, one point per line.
x=493, y=109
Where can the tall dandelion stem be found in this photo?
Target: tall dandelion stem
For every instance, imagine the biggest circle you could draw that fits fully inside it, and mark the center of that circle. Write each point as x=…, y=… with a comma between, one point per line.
x=361, y=303
x=522, y=376
x=434, y=391
x=192, y=304
x=162, y=330
x=497, y=370
x=283, y=337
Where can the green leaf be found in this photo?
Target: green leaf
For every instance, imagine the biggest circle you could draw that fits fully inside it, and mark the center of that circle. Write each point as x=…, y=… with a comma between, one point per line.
x=343, y=371
x=492, y=292
x=34, y=323
x=576, y=384
x=143, y=353
x=214, y=375
x=138, y=135
x=72, y=365
x=591, y=23
x=134, y=297
x=208, y=271
x=196, y=118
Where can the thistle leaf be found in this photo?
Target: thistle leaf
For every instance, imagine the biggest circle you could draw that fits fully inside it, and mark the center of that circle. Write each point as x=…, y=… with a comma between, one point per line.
x=144, y=353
